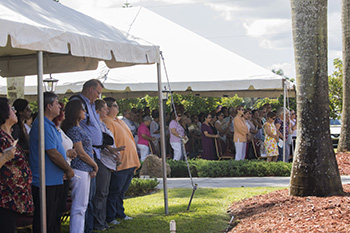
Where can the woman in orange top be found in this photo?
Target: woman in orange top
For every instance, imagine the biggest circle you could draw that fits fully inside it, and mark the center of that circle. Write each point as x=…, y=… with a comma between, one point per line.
x=240, y=134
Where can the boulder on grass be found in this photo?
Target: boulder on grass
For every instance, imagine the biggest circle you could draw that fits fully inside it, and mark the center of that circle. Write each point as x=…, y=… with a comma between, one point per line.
x=152, y=166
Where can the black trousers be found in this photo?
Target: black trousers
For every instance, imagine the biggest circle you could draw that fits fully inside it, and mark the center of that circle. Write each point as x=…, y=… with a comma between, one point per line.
x=7, y=220
x=54, y=196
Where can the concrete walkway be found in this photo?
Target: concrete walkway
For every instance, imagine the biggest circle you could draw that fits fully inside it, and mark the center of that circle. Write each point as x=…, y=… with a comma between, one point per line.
x=232, y=182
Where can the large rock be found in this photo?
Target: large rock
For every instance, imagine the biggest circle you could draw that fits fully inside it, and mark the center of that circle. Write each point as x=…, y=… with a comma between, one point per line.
x=152, y=166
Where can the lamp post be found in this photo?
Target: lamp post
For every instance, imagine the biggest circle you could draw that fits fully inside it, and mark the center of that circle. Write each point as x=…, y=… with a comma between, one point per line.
x=50, y=84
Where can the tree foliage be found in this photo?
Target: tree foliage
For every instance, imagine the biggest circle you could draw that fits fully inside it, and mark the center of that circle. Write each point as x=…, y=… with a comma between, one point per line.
x=335, y=82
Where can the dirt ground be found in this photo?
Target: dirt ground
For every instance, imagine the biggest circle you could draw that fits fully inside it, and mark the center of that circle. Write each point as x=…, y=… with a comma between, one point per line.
x=278, y=212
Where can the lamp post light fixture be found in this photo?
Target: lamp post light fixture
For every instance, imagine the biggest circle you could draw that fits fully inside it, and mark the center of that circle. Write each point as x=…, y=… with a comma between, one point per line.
x=165, y=94
x=50, y=84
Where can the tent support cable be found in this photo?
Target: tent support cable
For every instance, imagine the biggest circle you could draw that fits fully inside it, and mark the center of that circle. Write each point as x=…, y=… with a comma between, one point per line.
x=194, y=186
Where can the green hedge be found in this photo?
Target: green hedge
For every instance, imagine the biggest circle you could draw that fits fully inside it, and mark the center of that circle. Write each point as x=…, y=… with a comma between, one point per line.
x=139, y=187
x=229, y=168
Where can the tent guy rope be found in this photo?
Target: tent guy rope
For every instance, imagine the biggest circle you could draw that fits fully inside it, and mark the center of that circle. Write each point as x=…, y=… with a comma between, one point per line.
x=183, y=139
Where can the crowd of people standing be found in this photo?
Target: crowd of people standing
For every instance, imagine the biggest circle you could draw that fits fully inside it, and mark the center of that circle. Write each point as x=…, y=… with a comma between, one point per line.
x=93, y=152
x=239, y=132
x=87, y=150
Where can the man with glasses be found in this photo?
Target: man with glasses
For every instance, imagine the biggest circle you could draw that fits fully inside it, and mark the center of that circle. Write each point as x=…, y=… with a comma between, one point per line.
x=120, y=179
x=55, y=166
x=92, y=90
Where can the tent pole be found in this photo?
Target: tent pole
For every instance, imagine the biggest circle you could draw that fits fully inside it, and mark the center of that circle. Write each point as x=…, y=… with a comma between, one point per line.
x=41, y=144
x=284, y=122
x=162, y=138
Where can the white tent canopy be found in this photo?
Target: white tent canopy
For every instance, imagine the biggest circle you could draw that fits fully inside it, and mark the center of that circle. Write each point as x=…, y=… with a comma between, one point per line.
x=195, y=65
x=71, y=40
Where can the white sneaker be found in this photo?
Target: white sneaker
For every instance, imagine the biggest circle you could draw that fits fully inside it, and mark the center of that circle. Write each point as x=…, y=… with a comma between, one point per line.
x=128, y=218
x=114, y=222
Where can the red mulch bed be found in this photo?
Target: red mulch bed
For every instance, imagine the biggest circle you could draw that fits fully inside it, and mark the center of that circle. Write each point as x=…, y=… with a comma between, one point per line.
x=279, y=212
x=343, y=160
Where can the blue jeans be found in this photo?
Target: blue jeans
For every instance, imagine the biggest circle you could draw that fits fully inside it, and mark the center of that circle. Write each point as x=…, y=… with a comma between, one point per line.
x=119, y=184
x=89, y=214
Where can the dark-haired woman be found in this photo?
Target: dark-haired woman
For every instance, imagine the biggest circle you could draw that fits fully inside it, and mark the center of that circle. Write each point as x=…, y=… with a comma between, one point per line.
x=15, y=174
x=23, y=113
x=208, y=137
x=84, y=165
x=70, y=152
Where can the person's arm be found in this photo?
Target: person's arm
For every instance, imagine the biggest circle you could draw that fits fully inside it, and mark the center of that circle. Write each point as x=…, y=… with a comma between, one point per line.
x=59, y=160
x=174, y=132
x=219, y=128
x=269, y=133
x=210, y=135
x=144, y=136
x=278, y=126
x=78, y=146
x=7, y=156
x=115, y=150
x=252, y=130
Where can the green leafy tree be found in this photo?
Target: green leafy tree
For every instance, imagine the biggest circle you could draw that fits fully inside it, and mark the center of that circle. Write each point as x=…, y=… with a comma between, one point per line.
x=231, y=101
x=275, y=104
x=335, y=82
x=281, y=73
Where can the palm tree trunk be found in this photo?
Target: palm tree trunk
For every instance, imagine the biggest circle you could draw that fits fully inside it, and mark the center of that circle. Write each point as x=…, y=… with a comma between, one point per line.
x=315, y=170
x=344, y=140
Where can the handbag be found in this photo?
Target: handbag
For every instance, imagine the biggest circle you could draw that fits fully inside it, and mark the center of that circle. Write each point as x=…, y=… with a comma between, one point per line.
x=107, y=141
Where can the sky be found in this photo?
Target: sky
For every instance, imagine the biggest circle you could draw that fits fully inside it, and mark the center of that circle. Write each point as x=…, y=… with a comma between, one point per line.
x=258, y=30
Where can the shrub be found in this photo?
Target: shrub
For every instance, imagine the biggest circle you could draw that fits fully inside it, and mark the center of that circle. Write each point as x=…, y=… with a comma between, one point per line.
x=139, y=187
x=179, y=168
x=229, y=168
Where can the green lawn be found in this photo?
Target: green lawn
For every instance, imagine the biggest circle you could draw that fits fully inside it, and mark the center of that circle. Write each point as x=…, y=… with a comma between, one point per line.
x=207, y=212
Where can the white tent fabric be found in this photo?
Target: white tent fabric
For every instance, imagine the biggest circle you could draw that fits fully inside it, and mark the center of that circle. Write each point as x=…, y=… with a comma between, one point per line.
x=46, y=25
x=195, y=65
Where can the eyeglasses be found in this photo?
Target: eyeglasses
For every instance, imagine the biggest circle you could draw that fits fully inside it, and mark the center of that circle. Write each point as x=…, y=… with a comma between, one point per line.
x=179, y=115
x=99, y=93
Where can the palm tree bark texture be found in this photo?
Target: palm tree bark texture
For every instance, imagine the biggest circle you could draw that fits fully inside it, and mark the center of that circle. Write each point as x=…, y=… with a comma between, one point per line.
x=344, y=140
x=315, y=170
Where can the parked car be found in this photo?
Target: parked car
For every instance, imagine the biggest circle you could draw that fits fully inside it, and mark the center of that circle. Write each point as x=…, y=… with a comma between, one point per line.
x=335, y=126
